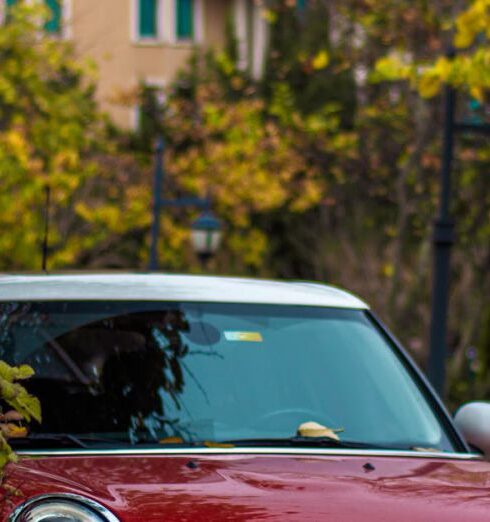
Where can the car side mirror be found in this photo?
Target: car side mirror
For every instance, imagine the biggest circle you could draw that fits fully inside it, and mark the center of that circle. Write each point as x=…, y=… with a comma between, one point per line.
x=473, y=420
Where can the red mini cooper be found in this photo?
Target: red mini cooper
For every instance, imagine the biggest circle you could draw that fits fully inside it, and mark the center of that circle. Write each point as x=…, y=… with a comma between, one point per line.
x=180, y=398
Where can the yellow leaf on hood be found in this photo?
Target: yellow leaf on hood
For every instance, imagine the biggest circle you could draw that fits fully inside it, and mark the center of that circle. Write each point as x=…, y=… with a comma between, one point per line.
x=313, y=429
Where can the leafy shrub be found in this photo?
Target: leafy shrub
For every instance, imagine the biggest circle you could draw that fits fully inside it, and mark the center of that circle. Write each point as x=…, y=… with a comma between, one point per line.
x=20, y=406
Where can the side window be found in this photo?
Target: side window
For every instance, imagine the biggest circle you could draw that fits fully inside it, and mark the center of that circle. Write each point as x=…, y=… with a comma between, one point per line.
x=148, y=19
x=53, y=24
x=185, y=11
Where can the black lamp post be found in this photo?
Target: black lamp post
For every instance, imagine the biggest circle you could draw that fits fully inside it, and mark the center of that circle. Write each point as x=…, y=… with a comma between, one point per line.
x=157, y=202
x=443, y=239
x=206, y=230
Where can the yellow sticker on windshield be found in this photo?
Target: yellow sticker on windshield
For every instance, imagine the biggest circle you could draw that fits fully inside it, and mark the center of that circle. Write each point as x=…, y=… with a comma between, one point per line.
x=250, y=337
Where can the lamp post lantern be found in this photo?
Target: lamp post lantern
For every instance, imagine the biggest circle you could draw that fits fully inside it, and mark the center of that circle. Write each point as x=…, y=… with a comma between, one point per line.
x=206, y=235
x=206, y=230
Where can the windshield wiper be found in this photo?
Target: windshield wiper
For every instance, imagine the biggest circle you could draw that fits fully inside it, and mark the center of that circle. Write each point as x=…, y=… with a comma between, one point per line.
x=63, y=439
x=308, y=442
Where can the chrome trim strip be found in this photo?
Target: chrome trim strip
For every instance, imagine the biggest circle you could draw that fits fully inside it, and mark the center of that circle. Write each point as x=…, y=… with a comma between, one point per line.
x=97, y=508
x=250, y=451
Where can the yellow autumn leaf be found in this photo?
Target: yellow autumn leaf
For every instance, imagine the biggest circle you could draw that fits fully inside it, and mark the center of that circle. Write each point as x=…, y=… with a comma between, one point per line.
x=391, y=68
x=472, y=22
x=217, y=445
x=429, y=85
x=478, y=93
x=12, y=431
x=13, y=373
x=321, y=60
x=27, y=405
x=388, y=270
x=313, y=429
x=443, y=68
x=269, y=16
x=463, y=38
x=171, y=440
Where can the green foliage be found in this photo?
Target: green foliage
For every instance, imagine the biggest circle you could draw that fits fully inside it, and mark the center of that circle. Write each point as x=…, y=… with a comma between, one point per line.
x=24, y=407
x=469, y=70
x=14, y=394
x=308, y=63
x=48, y=129
x=255, y=154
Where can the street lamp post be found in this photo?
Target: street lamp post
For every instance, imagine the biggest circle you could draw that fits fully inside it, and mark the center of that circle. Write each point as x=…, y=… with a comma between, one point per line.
x=157, y=202
x=45, y=245
x=206, y=230
x=443, y=239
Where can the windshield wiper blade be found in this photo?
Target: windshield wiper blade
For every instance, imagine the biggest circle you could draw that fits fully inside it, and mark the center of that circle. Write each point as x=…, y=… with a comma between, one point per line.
x=296, y=442
x=64, y=439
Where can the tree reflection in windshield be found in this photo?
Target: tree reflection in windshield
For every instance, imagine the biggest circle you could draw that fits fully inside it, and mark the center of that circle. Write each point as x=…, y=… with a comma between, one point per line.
x=116, y=371
x=14, y=315
x=131, y=358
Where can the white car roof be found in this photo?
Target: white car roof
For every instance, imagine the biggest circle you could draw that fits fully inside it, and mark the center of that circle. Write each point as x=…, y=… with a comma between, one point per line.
x=161, y=287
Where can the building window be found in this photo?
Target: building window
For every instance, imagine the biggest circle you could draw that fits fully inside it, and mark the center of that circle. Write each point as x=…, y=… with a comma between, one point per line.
x=53, y=24
x=185, y=19
x=148, y=19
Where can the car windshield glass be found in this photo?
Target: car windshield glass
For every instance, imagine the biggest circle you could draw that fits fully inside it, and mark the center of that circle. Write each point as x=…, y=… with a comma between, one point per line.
x=147, y=373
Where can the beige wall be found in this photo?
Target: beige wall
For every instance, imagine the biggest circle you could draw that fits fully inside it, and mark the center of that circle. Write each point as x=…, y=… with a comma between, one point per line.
x=102, y=30
x=217, y=12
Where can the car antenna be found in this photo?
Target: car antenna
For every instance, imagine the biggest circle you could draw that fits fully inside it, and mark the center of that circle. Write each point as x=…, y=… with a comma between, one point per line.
x=47, y=192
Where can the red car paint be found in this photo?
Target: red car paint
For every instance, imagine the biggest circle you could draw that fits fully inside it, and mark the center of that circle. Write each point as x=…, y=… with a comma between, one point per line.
x=169, y=488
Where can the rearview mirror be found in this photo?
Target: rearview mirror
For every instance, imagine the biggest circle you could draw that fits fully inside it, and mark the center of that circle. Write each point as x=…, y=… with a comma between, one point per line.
x=473, y=420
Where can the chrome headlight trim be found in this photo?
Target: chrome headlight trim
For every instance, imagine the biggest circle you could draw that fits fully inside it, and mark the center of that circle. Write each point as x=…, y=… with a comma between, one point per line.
x=77, y=500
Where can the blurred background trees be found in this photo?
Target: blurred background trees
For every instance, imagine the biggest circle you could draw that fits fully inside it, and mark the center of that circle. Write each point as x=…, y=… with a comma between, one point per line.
x=326, y=168
x=49, y=131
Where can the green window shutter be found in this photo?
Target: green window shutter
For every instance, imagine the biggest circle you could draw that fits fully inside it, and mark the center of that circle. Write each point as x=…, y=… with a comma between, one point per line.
x=53, y=25
x=301, y=4
x=148, y=27
x=185, y=19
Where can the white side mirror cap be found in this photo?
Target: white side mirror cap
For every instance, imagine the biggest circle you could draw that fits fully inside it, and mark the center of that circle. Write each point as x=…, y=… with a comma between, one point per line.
x=473, y=420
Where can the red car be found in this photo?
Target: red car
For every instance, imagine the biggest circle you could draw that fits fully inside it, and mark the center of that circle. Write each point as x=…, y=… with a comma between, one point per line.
x=180, y=398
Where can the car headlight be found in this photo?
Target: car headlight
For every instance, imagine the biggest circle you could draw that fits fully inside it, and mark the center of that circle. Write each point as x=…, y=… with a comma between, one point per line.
x=61, y=508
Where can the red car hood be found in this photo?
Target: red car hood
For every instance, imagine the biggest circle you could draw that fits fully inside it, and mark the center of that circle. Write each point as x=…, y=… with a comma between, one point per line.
x=170, y=488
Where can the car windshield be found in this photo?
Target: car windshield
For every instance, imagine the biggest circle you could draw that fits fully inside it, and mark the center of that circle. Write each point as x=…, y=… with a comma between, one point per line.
x=189, y=373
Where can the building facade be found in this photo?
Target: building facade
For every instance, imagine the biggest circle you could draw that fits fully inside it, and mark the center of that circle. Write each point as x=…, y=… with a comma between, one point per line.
x=136, y=42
